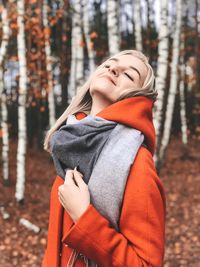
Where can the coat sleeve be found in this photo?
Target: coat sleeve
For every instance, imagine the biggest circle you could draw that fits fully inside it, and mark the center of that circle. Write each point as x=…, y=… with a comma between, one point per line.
x=141, y=239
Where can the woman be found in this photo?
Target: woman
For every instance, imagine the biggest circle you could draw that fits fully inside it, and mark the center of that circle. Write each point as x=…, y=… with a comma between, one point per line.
x=110, y=212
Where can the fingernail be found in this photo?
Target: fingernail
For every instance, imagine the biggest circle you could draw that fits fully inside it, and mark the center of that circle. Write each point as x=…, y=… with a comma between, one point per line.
x=77, y=168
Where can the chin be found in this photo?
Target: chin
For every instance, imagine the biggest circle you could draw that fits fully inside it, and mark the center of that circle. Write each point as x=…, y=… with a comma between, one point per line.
x=101, y=86
x=102, y=94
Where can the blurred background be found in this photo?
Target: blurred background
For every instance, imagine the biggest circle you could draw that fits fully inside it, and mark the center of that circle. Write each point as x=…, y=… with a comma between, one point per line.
x=47, y=50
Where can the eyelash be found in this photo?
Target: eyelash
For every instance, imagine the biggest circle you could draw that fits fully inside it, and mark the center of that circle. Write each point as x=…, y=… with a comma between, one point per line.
x=106, y=66
x=129, y=76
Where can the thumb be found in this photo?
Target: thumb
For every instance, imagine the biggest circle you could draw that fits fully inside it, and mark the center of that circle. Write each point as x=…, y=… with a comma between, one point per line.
x=76, y=169
x=69, y=177
x=79, y=179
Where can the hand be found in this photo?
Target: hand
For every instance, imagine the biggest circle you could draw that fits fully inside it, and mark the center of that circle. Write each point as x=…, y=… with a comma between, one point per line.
x=74, y=198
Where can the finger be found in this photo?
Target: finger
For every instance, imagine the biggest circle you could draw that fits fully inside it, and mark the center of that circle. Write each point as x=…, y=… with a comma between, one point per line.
x=79, y=179
x=75, y=169
x=69, y=177
x=60, y=188
x=61, y=198
x=61, y=201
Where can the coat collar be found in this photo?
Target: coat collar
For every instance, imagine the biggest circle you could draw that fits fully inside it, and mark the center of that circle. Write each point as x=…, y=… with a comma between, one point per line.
x=135, y=112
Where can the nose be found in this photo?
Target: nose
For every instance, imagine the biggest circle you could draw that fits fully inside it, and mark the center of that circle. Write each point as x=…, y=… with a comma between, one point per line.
x=113, y=70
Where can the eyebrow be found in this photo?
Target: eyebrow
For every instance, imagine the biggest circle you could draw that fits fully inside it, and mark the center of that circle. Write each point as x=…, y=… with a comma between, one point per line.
x=116, y=59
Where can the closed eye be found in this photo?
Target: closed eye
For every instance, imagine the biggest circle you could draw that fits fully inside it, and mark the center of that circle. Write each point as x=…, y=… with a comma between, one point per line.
x=129, y=76
x=107, y=66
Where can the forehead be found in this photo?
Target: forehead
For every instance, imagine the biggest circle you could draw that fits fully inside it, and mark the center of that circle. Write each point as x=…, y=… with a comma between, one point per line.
x=131, y=61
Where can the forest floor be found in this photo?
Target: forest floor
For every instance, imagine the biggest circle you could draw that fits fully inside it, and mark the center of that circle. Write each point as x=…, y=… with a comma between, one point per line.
x=181, y=178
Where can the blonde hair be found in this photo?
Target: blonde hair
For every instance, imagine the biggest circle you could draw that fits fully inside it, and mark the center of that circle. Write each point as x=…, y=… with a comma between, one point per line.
x=82, y=101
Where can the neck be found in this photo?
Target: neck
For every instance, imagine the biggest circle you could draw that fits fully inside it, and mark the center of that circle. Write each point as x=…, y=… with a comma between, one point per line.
x=98, y=104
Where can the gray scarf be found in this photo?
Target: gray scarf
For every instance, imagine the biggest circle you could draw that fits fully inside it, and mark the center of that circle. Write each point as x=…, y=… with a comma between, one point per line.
x=104, y=151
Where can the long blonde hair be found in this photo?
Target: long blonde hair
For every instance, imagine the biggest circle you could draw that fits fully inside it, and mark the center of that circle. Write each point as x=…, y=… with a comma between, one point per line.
x=82, y=101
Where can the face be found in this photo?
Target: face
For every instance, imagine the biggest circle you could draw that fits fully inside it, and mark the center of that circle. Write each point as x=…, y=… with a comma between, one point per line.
x=118, y=73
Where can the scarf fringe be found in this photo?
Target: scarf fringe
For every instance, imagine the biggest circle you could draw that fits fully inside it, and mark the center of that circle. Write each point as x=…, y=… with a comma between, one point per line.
x=74, y=256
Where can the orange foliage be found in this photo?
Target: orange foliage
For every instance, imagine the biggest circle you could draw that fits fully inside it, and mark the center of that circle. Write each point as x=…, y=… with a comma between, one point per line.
x=34, y=20
x=13, y=26
x=33, y=104
x=32, y=2
x=42, y=109
x=1, y=133
x=82, y=44
x=93, y=35
x=60, y=13
x=37, y=11
x=64, y=38
x=14, y=57
x=1, y=8
x=91, y=45
x=52, y=21
x=47, y=31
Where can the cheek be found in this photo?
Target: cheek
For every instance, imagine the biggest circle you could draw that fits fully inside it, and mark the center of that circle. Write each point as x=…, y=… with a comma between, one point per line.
x=137, y=86
x=125, y=84
x=102, y=84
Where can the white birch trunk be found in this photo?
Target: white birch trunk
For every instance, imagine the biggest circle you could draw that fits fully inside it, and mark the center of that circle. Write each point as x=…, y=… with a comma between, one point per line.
x=190, y=78
x=51, y=102
x=4, y=112
x=138, y=24
x=77, y=55
x=161, y=75
x=113, y=26
x=182, y=94
x=173, y=81
x=21, y=149
x=182, y=104
x=86, y=29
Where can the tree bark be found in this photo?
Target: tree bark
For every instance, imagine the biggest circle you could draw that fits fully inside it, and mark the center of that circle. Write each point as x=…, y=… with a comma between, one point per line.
x=173, y=82
x=77, y=55
x=161, y=74
x=113, y=26
x=138, y=25
x=86, y=30
x=50, y=87
x=4, y=111
x=21, y=149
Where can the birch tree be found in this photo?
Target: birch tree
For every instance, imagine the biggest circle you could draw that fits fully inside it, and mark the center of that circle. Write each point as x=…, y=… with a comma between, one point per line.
x=63, y=51
x=51, y=102
x=173, y=82
x=197, y=39
x=137, y=24
x=4, y=111
x=86, y=29
x=21, y=148
x=182, y=80
x=161, y=74
x=149, y=26
x=113, y=26
x=77, y=55
x=182, y=96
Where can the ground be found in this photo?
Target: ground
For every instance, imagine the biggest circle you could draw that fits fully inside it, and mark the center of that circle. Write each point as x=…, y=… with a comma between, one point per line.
x=181, y=178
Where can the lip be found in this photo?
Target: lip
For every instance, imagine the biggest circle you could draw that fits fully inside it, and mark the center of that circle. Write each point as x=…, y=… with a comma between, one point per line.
x=109, y=78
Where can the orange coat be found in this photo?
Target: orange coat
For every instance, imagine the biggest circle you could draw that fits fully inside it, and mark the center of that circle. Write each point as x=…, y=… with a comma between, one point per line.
x=141, y=240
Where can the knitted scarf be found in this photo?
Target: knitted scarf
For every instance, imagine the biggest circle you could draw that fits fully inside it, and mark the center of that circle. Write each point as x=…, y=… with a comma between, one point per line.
x=104, y=151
